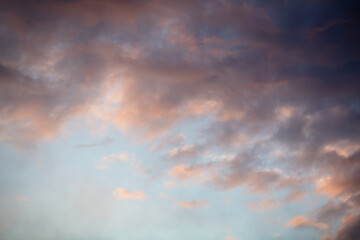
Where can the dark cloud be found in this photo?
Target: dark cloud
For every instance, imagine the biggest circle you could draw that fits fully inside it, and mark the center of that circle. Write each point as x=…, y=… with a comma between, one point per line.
x=350, y=229
x=331, y=211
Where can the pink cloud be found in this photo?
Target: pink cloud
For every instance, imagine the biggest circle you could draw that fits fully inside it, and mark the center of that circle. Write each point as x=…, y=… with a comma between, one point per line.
x=329, y=186
x=194, y=204
x=185, y=172
x=121, y=193
x=232, y=238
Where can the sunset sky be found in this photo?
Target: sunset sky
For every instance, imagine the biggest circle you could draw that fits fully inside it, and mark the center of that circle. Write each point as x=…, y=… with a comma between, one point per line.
x=179, y=120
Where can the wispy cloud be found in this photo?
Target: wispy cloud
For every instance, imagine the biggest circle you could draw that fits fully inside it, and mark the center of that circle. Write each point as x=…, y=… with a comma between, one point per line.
x=170, y=141
x=103, y=142
x=107, y=160
x=121, y=193
x=185, y=153
x=232, y=238
x=193, y=204
x=21, y=198
x=303, y=222
x=264, y=205
x=185, y=172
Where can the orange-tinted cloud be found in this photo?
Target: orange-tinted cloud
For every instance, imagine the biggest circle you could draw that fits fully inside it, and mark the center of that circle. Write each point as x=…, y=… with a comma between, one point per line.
x=303, y=222
x=329, y=186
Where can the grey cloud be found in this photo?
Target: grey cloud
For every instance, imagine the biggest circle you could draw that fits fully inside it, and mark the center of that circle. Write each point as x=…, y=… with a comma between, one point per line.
x=169, y=141
x=350, y=230
x=331, y=211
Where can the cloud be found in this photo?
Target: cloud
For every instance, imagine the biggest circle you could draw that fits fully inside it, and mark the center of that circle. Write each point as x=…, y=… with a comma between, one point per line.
x=164, y=196
x=355, y=200
x=342, y=148
x=170, y=184
x=193, y=204
x=232, y=238
x=333, y=186
x=331, y=211
x=102, y=166
x=121, y=193
x=185, y=172
x=121, y=157
x=185, y=153
x=21, y=198
x=317, y=30
x=105, y=161
x=303, y=222
x=261, y=180
x=350, y=228
x=169, y=141
x=277, y=235
x=166, y=87
x=37, y=107
x=242, y=170
x=265, y=82
x=295, y=196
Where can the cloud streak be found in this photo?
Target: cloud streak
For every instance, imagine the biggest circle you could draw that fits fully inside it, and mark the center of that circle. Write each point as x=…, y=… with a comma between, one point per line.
x=121, y=193
x=303, y=222
x=106, y=141
x=194, y=204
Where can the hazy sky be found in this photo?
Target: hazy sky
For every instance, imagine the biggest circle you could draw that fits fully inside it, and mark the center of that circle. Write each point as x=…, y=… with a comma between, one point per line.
x=179, y=120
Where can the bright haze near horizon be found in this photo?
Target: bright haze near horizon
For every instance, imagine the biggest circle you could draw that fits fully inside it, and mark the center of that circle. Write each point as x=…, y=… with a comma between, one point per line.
x=179, y=120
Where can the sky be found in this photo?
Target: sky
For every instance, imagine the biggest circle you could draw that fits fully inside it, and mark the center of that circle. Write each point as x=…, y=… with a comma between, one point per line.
x=179, y=120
